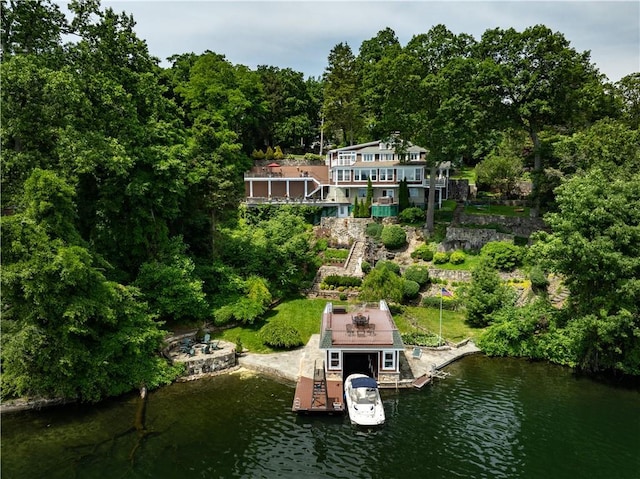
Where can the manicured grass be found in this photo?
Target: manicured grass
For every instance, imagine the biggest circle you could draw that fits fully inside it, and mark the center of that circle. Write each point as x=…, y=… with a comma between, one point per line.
x=304, y=314
x=489, y=209
x=465, y=173
x=454, y=328
x=470, y=262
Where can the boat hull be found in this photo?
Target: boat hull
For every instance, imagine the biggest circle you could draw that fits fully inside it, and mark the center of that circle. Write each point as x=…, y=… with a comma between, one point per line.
x=363, y=401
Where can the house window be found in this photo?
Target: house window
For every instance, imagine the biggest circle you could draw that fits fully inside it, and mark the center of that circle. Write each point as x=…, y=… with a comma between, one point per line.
x=388, y=360
x=343, y=175
x=346, y=158
x=346, y=192
x=414, y=156
x=386, y=157
x=414, y=174
x=374, y=175
x=362, y=192
x=334, y=360
x=361, y=175
x=386, y=174
x=414, y=192
x=368, y=157
x=387, y=193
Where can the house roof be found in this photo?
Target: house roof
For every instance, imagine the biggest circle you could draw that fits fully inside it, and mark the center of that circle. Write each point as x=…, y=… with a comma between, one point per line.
x=374, y=147
x=340, y=331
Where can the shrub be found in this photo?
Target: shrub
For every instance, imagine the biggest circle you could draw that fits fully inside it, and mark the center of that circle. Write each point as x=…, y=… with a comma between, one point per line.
x=502, y=255
x=412, y=215
x=423, y=252
x=322, y=244
x=313, y=157
x=389, y=265
x=457, y=257
x=374, y=230
x=410, y=289
x=366, y=267
x=538, y=279
x=450, y=304
x=417, y=273
x=441, y=257
x=280, y=335
x=239, y=345
x=335, y=255
x=343, y=296
x=420, y=339
x=393, y=237
x=339, y=281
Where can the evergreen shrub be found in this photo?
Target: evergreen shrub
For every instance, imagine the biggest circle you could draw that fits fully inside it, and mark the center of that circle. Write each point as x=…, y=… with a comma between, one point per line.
x=417, y=273
x=440, y=257
x=393, y=237
x=420, y=339
x=366, y=267
x=503, y=255
x=457, y=257
x=450, y=304
x=374, y=230
x=538, y=279
x=423, y=252
x=412, y=215
x=338, y=281
x=410, y=289
x=280, y=335
x=390, y=265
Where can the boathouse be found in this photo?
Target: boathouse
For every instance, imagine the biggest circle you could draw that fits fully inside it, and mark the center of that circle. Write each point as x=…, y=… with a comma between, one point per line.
x=361, y=339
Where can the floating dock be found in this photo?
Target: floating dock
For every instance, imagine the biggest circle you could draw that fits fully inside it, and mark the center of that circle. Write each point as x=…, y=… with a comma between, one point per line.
x=318, y=394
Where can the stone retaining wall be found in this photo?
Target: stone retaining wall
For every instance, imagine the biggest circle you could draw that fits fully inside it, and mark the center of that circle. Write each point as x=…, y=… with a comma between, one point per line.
x=345, y=230
x=518, y=225
x=205, y=364
x=471, y=238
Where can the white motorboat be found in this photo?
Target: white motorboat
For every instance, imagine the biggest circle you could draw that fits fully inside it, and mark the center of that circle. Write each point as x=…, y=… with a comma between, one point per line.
x=363, y=400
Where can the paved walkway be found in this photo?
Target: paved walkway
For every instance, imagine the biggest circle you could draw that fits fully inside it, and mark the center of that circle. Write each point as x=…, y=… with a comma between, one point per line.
x=290, y=365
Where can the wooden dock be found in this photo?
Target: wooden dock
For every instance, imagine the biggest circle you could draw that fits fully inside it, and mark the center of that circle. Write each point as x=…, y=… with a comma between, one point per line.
x=310, y=397
x=421, y=381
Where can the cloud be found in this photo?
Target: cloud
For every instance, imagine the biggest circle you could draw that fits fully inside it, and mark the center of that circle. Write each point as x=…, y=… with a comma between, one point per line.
x=300, y=34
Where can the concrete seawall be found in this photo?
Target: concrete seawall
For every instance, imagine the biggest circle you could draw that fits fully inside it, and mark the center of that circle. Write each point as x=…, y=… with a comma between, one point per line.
x=290, y=365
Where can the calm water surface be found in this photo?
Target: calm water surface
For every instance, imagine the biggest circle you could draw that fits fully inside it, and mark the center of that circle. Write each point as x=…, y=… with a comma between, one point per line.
x=489, y=419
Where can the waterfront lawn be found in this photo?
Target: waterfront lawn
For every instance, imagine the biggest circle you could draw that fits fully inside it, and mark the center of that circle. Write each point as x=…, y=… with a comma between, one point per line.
x=306, y=314
x=454, y=328
x=303, y=314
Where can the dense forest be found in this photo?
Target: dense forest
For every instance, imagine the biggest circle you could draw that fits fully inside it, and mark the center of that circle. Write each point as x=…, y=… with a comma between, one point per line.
x=122, y=185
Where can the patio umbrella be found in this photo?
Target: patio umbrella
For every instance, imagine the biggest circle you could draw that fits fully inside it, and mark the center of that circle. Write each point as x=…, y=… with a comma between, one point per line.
x=273, y=165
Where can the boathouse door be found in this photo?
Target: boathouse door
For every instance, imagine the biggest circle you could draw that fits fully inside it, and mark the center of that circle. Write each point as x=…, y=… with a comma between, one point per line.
x=360, y=362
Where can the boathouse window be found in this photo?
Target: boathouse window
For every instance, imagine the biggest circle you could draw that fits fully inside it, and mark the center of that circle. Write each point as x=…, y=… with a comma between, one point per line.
x=389, y=360
x=334, y=360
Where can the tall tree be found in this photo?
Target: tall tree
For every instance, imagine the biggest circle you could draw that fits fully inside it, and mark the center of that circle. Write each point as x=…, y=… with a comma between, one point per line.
x=543, y=81
x=68, y=331
x=441, y=105
x=341, y=107
x=373, y=63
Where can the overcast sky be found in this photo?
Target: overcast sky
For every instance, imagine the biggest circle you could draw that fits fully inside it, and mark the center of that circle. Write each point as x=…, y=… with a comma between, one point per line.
x=300, y=34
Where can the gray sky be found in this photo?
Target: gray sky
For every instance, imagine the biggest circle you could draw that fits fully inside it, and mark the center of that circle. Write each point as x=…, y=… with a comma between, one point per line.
x=300, y=34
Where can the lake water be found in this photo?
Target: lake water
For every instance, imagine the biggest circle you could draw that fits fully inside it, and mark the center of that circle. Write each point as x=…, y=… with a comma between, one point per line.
x=491, y=418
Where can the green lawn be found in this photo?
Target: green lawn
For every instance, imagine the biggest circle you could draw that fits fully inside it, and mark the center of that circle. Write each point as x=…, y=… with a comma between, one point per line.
x=454, y=328
x=306, y=314
x=470, y=262
x=465, y=173
x=489, y=209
